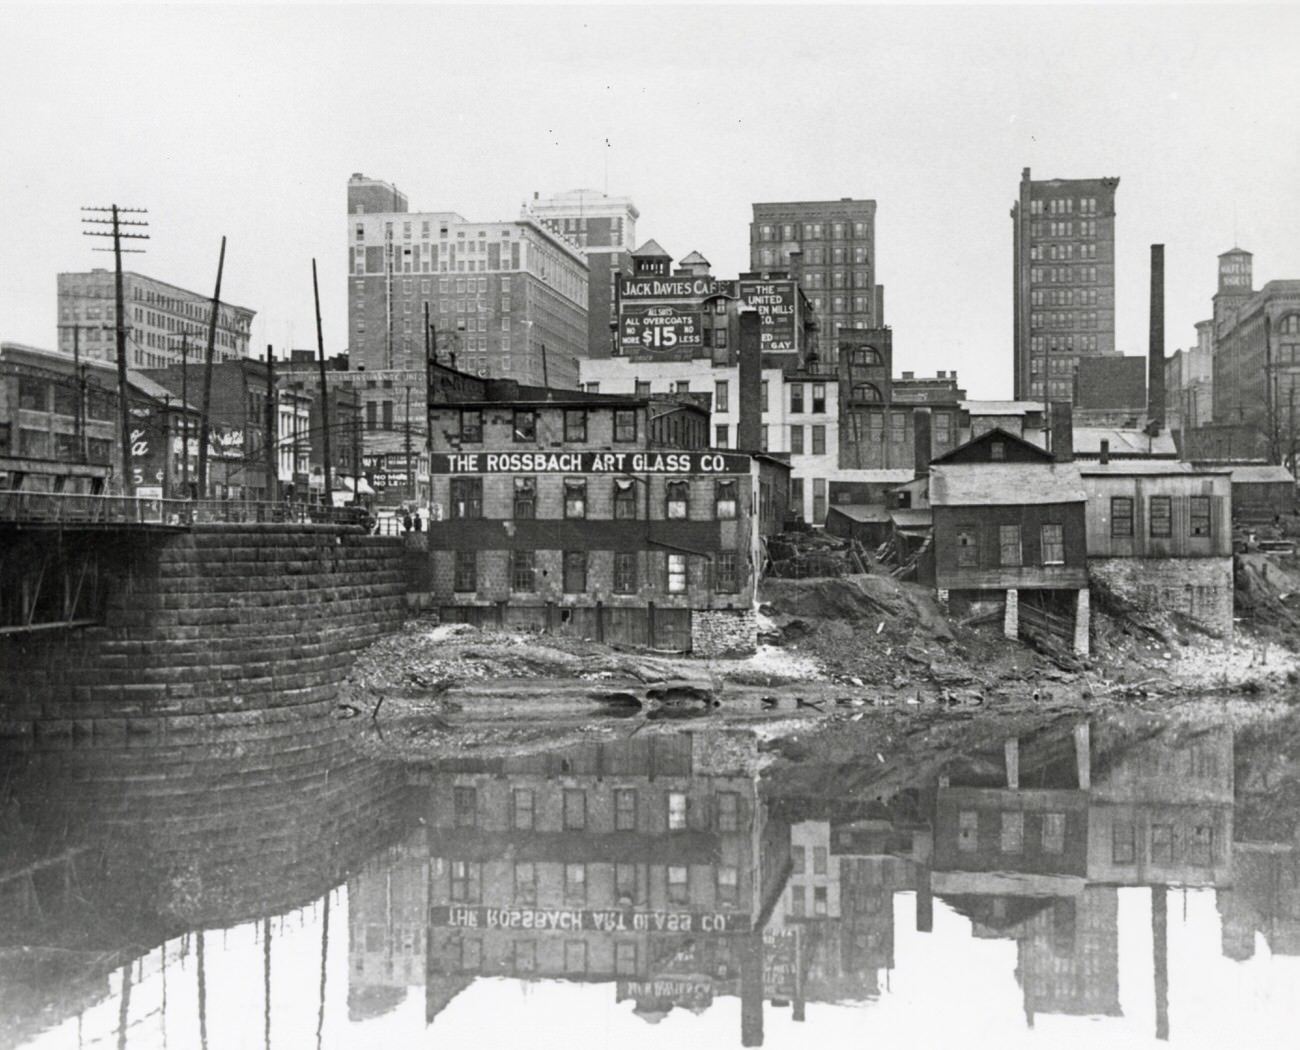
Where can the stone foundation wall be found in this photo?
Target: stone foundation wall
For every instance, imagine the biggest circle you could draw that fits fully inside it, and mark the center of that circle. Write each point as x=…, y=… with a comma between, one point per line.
x=224, y=626
x=1199, y=588
x=724, y=632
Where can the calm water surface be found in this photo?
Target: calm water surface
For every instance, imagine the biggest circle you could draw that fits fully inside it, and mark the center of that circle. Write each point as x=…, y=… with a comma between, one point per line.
x=1104, y=882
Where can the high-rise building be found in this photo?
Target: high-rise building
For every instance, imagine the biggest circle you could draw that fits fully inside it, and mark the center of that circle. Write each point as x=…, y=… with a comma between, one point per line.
x=1064, y=281
x=829, y=247
x=162, y=320
x=604, y=227
x=509, y=299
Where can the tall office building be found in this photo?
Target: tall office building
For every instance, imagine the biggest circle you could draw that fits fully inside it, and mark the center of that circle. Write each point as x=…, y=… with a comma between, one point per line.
x=1064, y=281
x=829, y=247
x=161, y=320
x=509, y=299
x=604, y=227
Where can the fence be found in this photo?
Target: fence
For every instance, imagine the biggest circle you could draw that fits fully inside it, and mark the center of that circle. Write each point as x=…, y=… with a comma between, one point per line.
x=58, y=508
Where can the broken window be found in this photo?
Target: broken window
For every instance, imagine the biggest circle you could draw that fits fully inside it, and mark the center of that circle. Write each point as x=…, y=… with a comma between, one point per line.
x=678, y=500
x=471, y=425
x=725, y=499
x=575, y=497
x=525, y=498
x=575, y=424
x=1199, y=516
x=525, y=424
x=968, y=552
x=624, y=499
x=625, y=423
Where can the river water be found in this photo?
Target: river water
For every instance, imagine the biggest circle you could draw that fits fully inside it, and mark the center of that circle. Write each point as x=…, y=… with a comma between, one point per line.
x=1108, y=880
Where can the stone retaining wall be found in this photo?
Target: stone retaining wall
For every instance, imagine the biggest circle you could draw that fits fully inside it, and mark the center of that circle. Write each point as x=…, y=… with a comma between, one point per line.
x=724, y=632
x=226, y=625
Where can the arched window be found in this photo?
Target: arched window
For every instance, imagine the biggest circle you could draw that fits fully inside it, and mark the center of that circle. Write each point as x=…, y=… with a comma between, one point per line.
x=866, y=392
x=865, y=355
x=1289, y=325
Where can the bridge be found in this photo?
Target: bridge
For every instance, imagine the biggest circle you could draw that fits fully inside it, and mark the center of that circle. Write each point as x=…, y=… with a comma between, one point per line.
x=58, y=551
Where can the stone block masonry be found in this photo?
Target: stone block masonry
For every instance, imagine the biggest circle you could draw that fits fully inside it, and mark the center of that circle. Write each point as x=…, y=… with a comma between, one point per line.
x=724, y=632
x=208, y=625
x=1199, y=588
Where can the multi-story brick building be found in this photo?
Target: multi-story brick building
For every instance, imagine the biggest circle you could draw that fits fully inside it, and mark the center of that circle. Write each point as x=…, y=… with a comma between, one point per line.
x=1063, y=289
x=164, y=322
x=603, y=515
x=830, y=249
x=508, y=299
x=604, y=227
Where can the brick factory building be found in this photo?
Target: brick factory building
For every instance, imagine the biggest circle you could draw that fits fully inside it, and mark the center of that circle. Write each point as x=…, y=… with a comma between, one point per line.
x=606, y=516
x=1064, y=281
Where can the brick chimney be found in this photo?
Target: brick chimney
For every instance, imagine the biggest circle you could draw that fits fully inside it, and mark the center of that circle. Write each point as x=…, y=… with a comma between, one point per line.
x=748, y=433
x=1062, y=431
x=1105, y=451
x=1156, y=345
x=921, y=441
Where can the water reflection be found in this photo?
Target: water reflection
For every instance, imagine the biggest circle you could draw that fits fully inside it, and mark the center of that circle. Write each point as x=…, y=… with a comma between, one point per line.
x=1104, y=871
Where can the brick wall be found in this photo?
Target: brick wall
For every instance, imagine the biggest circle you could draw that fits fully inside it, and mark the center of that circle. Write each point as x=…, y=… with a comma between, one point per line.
x=723, y=632
x=1199, y=588
x=224, y=626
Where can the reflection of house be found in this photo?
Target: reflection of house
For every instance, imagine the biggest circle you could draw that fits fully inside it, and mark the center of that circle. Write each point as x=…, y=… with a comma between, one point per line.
x=387, y=903
x=1009, y=527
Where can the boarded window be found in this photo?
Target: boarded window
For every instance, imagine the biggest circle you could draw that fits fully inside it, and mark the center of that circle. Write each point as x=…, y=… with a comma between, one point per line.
x=1198, y=523
x=466, y=571
x=1009, y=545
x=1122, y=843
x=725, y=503
x=1053, y=545
x=678, y=500
x=575, y=497
x=1161, y=510
x=1053, y=832
x=624, y=499
x=1013, y=832
x=575, y=572
x=1121, y=516
x=625, y=572
x=625, y=423
x=968, y=828
x=575, y=809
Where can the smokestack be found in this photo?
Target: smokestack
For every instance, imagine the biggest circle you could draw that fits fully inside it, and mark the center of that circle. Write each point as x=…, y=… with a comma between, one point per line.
x=921, y=441
x=748, y=434
x=1156, y=346
x=1105, y=451
x=1061, y=426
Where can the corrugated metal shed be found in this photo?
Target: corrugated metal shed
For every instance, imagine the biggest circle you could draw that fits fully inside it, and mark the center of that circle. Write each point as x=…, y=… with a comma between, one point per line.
x=1004, y=484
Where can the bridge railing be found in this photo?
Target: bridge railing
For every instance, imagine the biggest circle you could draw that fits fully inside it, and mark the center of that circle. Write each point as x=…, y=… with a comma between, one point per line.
x=78, y=509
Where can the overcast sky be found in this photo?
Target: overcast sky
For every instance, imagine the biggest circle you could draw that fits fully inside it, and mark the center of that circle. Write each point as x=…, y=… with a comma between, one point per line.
x=248, y=120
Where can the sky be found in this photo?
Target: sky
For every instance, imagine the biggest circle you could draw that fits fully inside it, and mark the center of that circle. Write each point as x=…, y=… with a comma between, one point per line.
x=246, y=121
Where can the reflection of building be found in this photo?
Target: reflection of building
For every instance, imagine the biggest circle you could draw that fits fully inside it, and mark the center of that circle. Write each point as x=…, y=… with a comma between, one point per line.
x=1064, y=290
x=1264, y=898
x=158, y=315
x=387, y=905
x=1068, y=955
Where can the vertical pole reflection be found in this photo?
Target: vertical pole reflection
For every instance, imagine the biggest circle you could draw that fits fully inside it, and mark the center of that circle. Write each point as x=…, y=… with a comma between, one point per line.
x=324, y=954
x=1160, y=950
x=203, y=991
x=266, y=981
x=125, y=1007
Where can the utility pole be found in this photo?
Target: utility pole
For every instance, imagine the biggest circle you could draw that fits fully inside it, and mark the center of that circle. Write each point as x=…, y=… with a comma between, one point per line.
x=207, y=377
x=410, y=467
x=272, y=489
x=356, y=446
x=185, y=414
x=324, y=391
x=124, y=406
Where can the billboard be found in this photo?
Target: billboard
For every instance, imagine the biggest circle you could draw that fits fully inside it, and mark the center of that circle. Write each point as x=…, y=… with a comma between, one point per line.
x=774, y=303
x=659, y=329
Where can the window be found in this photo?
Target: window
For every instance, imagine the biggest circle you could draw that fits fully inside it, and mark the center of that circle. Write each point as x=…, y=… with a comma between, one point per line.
x=1053, y=545
x=624, y=572
x=466, y=571
x=798, y=901
x=1162, y=843
x=465, y=881
x=1200, y=845
x=525, y=424
x=725, y=579
x=725, y=499
x=796, y=397
x=522, y=806
x=819, y=500
x=624, y=499
x=465, y=803
x=1161, y=511
x=720, y=399
x=1199, y=516
x=625, y=963
x=1121, y=516
x=625, y=809
x=676, y=810
x=624, y=424
x=525, y=498
x=575, y=572
x=728, y=884
x=471, y=954
x=678, y=500
x=997, y=451
x=796, y=440
x=676, y=573
x=968, y=829
x=1053, y=832
x=797, y=861
x=762, y=396
x=525, y=955
x=525, y=883
x=575, y=424
x=575, y=809
x=819, y=860
x=819, y=441
x=523, y=571
x=467, y=497
x=575, y=883
x=575, y=956
x=1013, y=832
x=625, y=883
x=678, y=886
x=575, y=497
x=1123, y=843
x=1009, y=545
x=642, y=388
x=819, y=397
x=728, y=804
x=720, y=435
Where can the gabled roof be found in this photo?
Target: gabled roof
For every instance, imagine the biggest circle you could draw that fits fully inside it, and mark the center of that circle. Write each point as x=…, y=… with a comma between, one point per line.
x=651, y=250
x=692, y=259
x=1124, y=441
x=990, y=436
x=1004, y=484
x=864, y=513
x=1260, y=474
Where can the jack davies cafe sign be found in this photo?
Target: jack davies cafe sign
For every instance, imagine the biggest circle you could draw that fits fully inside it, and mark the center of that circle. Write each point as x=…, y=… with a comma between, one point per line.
x=570, y=920
x=538, y=462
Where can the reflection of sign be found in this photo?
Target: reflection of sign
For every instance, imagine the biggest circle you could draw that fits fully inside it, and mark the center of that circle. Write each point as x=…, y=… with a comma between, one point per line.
x=667, y=287
x=657, y=329
x=774, y=303
x=572, y=920
x=588, y=463
x=690, y=992
x=781, y=963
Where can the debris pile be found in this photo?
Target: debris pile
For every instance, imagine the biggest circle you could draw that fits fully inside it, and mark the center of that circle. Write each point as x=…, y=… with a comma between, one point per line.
x=803, y=555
